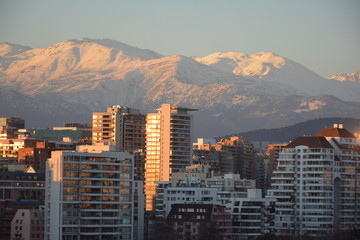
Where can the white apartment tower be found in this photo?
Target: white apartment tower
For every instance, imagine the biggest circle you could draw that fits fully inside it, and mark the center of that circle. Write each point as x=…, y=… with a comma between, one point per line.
x=168, y=146
x=90, y=195
x=317, y=185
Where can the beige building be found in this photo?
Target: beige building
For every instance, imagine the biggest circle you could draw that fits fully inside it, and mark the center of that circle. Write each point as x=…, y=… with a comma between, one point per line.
x=272, y=153
x=123, y=128
x=197, y=171
x=120, y=126
x=91, y=194
x=28, y=224
x=168, y=146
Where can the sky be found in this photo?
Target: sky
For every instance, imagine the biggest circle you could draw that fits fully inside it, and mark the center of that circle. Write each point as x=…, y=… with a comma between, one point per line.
x=323, y=35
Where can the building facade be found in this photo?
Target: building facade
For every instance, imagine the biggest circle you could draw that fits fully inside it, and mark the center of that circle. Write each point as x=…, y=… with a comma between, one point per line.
x=123, y=128
x=120, y=126
x=168, y=146
x=20, y=188
x=233, y=155
x=16, y=123
x=200, y=221
x=36, y=156
x=188, y=191
x=90, y=194
x=28, y=224
x=316, y=185
x=242, y=151
x=252, y=216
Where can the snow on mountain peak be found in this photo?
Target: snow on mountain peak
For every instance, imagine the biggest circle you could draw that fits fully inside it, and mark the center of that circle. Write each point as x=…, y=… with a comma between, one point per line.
x=8, y=49
x=85, y=64
x=100, y=45
x=130, y=51
x=258, y=64
x=354, y=76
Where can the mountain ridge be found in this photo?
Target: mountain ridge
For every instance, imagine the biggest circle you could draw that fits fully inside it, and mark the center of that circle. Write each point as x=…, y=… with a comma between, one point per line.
x=306, y=128
x=96, y=73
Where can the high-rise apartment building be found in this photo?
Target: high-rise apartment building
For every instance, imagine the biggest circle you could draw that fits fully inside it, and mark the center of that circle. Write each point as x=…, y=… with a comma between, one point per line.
x=91, y=194
x=272, y=153
x=235, y=154
x=243, y=155
x=168, y=146
x=219, y=161
x=120, y=126
x=123, y=128
x=317, y=185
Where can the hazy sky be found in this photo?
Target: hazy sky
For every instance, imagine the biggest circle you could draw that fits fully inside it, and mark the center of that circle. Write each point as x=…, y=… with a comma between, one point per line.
x=323, y=35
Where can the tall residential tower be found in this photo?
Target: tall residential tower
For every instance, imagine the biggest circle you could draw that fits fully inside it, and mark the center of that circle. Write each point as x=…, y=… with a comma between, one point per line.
x=168, y=146
x=91, y=194
x=317, y=185
x=120, y=126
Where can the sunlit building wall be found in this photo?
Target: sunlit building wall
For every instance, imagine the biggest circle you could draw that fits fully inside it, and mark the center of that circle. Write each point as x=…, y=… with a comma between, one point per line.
x=123, y=128
x=168, y=146
x=120, y=126
x=90, y=195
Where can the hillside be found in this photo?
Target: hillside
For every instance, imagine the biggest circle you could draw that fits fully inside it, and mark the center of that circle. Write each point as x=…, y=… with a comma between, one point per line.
x=354, y=76
x=307, y=128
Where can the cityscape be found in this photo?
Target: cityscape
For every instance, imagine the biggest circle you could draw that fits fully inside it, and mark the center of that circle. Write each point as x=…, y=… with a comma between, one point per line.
x=180, y=120
x=128, y=175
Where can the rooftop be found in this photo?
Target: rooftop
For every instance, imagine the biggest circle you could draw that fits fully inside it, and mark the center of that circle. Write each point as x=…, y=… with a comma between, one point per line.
x=311, y=142
x=335, y=132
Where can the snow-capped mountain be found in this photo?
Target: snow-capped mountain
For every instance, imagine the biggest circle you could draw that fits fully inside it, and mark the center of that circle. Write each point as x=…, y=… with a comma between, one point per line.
x=8, y=49
x=234, y=91
x=354, y=76
x=272, y=68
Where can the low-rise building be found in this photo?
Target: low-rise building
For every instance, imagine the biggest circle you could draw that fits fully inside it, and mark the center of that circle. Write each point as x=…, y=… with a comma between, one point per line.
x=28, y=224
x=189, y=191
x=20, y=188
x=200, y=221
x=252, y=216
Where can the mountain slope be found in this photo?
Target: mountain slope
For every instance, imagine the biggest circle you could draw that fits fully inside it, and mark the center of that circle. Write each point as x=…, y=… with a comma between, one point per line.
x=307, y=128
x=233, y=91
x=8, y=49
x=354, y=76
x=41, y=111
x=268, y=112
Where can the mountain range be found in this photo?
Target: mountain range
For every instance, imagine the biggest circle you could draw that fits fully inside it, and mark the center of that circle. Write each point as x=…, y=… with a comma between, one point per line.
x=234, y=92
